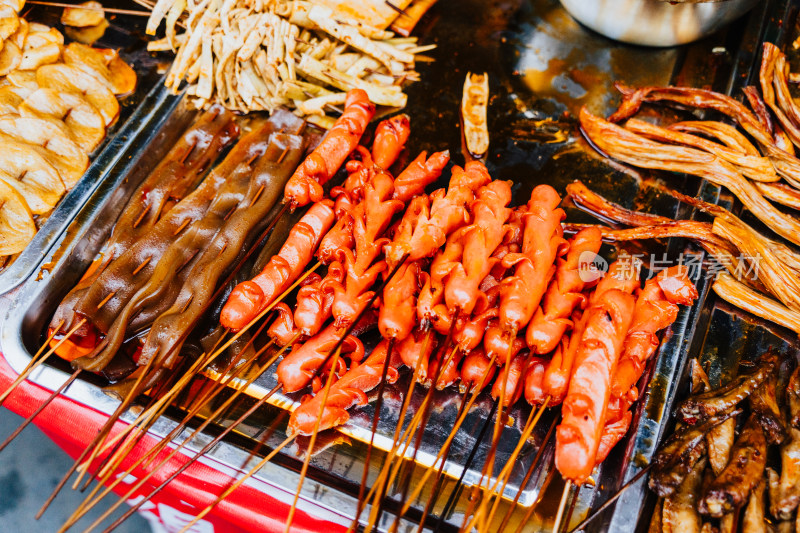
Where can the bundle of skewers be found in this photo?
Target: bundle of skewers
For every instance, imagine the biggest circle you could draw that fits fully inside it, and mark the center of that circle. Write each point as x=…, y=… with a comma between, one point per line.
x=57, y=102
x=258, y=56
x=462, y=288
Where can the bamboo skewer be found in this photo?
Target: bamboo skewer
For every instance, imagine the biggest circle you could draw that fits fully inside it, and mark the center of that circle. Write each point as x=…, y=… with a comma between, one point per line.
x=417, y=430
x=594, y=514
x=304, y=470
x=180, y=446
x=505, y=473
x=104, y=430
x=451, y=500
x=561, y=507
x=396, y=437
x=335, y=350
x=550, y=475
x=91, y=8
x=38, y=359
x=439, y=480
x=441, y=455
x=133, y=429
x=39, y=409
x=488, y=465
x=528, y=474
x=375, y=417
x=238, y=483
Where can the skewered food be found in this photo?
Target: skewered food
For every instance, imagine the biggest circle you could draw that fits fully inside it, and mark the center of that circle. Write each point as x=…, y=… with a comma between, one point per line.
x=78, y=17
x=474, y=103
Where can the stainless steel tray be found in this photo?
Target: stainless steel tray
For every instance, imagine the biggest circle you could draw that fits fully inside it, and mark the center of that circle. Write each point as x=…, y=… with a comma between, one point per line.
x=126, y=34
x=527, y=48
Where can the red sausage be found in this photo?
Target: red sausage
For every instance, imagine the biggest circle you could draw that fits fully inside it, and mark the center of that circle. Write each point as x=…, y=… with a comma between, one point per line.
x=584, y=409
x=306, y=183
x=249, y=298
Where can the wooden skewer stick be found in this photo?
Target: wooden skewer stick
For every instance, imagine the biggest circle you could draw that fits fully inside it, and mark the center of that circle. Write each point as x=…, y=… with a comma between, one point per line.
x=187, y=464
x=92, y=8
x=135, y=428
x=425, y=408
x=561, y=507
x=438, y=481
x=375, y=417
x=528, y=474
x=304, y=470
x=180, y=446
x=416, y=429
x=104, y=431
x=396, y=438
x=38, y=358
x=549, y=478
x=440, y=456
x=277, y=387
x=597, y=512
x=39, y=410
x=451, y=500
x=154, y=396
x=149, y=413
x=505, y=473
x=488, y=465
x=238, y=483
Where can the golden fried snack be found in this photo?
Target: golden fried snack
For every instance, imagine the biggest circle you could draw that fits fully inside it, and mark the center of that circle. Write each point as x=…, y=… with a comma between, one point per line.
x=105, y=65
x=29, y=173
x=85, y=123
x=67, y=78
x=16, y=223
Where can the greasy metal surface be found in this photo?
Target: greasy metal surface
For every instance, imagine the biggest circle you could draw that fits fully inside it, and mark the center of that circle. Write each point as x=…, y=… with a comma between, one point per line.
x=542, y=67
x=125, y=33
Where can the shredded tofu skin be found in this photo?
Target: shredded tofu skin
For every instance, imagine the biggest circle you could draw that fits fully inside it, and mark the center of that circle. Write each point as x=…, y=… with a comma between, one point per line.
x=257, y=55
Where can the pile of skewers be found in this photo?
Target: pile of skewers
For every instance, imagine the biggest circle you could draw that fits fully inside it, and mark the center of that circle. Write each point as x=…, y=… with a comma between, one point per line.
x=258, y=56
x=462, y=288
x=705, y=473
x=56, y=103
x=759, y=174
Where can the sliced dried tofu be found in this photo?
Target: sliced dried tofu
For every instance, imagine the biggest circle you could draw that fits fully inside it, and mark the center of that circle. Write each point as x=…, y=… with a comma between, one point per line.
x=103, y=64
x=82, y=18
x=28, y=172
x=85, y=123
x=21, y=34
x=17, y=227
x=63, y=77
x=23, y=82
x=9, y=22
x=34, y=58
x=474, y=103
x=10, y=57
x=61, y=151
x=16, y=5
x=40, y=35
x=87, y=35
x=9, y=100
